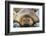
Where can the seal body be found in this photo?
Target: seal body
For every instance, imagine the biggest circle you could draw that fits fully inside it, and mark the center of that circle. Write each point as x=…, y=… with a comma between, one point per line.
x=26, y=17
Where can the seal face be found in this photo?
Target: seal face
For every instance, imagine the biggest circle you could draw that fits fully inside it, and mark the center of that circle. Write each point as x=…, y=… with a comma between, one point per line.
x=26, y=20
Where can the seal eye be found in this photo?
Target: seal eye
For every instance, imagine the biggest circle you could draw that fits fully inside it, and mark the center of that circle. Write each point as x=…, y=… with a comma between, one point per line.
x=23, y=20
x=28, y=20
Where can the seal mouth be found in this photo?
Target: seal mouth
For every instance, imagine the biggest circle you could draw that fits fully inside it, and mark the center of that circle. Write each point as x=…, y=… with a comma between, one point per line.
x=26, y=25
